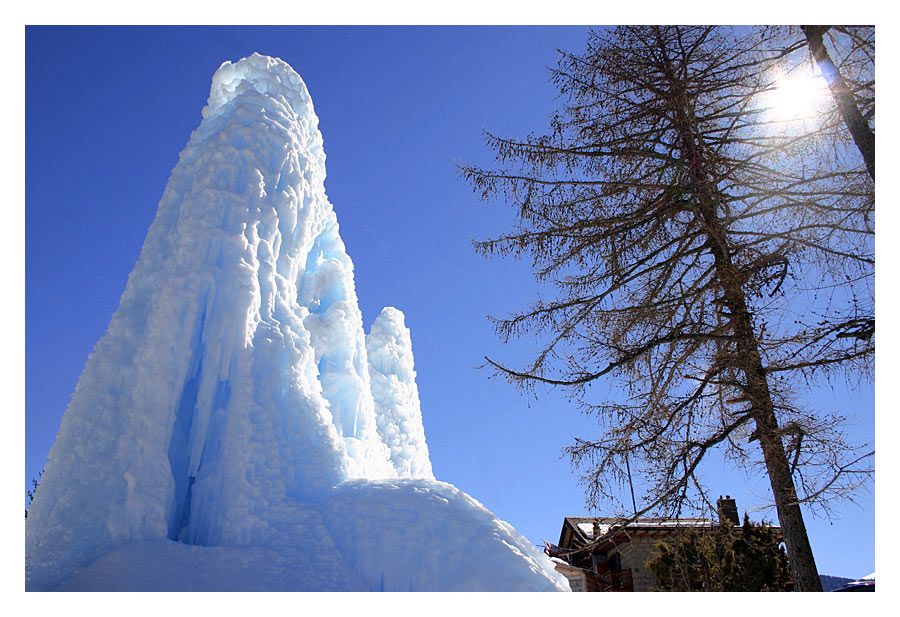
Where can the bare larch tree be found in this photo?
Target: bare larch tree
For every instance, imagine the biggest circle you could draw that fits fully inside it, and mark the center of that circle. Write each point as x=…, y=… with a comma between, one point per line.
x=860, y=43
x=709, y=258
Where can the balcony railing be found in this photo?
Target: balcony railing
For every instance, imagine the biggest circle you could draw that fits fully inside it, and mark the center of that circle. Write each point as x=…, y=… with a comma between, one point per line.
x=620, y=581
x=616, y=580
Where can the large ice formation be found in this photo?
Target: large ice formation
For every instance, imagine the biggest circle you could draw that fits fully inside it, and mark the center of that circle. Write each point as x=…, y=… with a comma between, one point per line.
x=235, y=428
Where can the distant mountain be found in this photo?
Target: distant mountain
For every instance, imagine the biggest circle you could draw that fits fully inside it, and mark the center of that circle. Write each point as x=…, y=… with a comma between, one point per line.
x=830, y=583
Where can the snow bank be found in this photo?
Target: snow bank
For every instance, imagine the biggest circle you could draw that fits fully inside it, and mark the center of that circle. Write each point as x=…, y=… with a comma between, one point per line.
x=164, y=565
x=369, y=535
x=235, y=402
x=423, y=535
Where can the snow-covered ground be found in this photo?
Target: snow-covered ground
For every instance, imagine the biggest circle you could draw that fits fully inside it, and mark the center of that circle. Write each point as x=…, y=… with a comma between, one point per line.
x=235, y=428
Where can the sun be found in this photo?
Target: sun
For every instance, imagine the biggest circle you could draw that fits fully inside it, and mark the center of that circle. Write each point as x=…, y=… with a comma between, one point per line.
x=795, y=97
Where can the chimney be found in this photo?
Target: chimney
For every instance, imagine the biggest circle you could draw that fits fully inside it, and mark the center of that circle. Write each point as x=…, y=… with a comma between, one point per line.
x=727, y=511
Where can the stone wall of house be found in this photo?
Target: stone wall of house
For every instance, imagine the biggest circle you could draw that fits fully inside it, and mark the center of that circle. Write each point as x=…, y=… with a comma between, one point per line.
x=578, y=579
x=635, y=555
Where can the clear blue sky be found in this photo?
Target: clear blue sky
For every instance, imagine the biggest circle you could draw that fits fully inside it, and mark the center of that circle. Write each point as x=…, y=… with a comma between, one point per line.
x=109, y=109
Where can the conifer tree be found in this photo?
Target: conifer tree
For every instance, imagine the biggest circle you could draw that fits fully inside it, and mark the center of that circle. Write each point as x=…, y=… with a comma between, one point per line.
x=723, y=558
x=30, y=493
x=707, y=257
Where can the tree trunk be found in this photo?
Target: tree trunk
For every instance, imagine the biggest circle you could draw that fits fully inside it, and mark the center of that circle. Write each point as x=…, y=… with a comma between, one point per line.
x=747, y=357
x=859, y=128
x=803, y=564
x=762, y=408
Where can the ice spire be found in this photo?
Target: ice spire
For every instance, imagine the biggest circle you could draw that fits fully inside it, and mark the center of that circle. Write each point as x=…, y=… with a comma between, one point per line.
x=398, y=415
x=230, y=402
x=235, y=366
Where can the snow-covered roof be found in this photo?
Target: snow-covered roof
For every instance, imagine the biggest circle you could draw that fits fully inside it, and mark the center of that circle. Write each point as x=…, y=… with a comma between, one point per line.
x=585, y=525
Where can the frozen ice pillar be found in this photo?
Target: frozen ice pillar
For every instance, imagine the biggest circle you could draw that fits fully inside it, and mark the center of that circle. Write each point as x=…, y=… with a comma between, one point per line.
x=398, y=415
x=235, y=414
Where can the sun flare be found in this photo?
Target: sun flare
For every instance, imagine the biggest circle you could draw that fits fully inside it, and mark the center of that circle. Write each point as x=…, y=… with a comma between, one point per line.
x=796, y=97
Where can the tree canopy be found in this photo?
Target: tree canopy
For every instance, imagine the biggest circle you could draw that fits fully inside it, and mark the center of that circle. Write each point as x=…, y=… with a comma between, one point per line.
x=708, y=256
